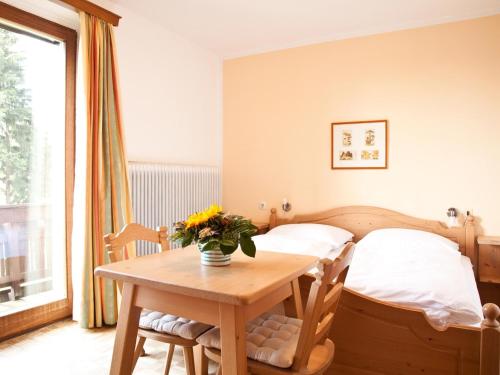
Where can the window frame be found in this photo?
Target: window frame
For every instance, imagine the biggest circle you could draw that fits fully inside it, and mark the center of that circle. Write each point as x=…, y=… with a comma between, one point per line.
x=17, y=323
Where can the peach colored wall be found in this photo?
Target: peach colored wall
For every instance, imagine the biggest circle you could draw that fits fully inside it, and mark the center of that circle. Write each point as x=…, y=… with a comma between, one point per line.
x=438, y=86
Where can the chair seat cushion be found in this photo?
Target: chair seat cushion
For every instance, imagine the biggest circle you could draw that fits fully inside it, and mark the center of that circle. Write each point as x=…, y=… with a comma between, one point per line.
x=171, y=324
x=271, y=339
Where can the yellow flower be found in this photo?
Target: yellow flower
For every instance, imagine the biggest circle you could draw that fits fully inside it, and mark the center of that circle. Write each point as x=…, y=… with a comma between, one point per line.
x=213, y=210
x=193, y=220
x=202, y=217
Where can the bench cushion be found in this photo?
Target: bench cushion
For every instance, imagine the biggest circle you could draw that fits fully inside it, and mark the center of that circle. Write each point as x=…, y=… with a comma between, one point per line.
x=271, y=339
x=171, y=324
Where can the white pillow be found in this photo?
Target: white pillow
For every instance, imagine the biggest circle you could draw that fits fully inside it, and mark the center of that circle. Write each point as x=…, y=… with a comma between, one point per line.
x=331, y=235
x=422, y=239
x=286, y=244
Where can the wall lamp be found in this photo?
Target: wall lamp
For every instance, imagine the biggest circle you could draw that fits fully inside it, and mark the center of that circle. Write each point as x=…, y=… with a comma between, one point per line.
x=452, y=214
x=285, y=205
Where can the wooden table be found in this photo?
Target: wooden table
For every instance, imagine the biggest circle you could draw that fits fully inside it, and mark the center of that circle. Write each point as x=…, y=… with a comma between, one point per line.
x=176, y=282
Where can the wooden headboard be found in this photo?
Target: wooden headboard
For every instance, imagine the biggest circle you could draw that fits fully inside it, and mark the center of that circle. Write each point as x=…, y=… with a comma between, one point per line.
x=361, y=220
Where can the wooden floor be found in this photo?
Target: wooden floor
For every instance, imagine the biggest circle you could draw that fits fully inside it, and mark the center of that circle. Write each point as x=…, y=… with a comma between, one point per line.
x=65, y=348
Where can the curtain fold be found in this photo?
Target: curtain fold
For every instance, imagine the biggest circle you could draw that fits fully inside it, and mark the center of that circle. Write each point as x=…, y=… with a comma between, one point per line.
x=107, y=206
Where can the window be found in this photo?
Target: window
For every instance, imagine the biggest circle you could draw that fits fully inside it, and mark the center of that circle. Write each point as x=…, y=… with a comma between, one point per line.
x=37, y=80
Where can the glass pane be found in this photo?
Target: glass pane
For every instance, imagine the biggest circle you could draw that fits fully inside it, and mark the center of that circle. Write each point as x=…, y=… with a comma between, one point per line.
x=32, y=171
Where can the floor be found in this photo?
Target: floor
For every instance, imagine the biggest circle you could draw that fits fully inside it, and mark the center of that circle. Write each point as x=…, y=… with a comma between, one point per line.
x=65, y=348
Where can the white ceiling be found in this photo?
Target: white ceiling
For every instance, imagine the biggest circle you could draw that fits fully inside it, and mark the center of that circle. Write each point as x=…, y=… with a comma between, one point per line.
x=234, y=28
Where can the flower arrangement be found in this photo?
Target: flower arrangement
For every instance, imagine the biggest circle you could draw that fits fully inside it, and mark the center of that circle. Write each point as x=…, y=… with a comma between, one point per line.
x=213, y=229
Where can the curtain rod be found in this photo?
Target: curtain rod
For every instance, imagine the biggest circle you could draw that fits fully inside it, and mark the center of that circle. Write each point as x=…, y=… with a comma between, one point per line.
x=94, y=10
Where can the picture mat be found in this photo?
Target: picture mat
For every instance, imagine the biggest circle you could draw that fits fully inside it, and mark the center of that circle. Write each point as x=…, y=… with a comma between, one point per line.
x=358, y=131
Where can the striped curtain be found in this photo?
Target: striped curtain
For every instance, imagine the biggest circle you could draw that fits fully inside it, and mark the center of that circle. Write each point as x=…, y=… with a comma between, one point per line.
x=107, y=198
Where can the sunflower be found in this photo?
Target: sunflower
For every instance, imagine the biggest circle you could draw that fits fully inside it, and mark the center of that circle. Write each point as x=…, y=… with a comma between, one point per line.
x=202, y=217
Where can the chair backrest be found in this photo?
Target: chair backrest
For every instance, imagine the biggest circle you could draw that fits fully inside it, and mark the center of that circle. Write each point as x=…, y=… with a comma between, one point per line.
x=115, y=242
x=321, y=304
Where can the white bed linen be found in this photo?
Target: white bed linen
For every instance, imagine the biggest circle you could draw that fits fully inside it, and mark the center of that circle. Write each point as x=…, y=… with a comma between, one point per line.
x=416, y=273
x=330, y=234
x=287, y=244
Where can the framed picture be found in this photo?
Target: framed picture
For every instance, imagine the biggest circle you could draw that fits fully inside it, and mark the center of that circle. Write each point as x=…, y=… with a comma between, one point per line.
x=359, y=145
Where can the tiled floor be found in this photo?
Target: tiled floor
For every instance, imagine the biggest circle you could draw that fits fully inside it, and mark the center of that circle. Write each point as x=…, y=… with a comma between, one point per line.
x=66, y=349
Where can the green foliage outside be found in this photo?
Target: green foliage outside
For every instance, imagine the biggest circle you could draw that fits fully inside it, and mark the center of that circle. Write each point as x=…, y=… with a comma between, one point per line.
x=16, y=129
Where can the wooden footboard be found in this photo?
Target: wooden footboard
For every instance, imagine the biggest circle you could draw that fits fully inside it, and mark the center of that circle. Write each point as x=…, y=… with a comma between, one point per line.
x=373, y=337
x=383, y=339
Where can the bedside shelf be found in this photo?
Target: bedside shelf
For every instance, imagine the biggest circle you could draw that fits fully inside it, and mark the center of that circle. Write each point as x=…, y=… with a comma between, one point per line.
x=489, y=240
x=489, y=259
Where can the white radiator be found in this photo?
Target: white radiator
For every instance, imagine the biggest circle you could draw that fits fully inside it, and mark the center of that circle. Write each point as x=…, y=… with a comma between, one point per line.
x=164, y=194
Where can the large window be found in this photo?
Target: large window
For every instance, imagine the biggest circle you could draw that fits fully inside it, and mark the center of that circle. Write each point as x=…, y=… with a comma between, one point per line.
x=37, y=75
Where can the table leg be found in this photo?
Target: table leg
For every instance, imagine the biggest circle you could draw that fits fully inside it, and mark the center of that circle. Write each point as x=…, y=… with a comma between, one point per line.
x=293, y=304
x=126, y=333
x=233, y=340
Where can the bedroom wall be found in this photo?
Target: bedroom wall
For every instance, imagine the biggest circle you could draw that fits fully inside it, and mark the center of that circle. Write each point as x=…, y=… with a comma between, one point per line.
x=171, y=88
x=171, y=93
x=438, y=86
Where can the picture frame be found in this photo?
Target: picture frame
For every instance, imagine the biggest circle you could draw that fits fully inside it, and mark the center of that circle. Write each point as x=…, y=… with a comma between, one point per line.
x=359, y=145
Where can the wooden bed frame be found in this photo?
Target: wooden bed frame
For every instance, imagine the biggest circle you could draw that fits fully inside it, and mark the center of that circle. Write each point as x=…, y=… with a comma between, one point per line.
x=376, y=337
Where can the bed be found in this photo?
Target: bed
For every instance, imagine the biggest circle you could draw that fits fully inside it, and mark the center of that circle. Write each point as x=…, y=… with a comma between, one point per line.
x=381, y=337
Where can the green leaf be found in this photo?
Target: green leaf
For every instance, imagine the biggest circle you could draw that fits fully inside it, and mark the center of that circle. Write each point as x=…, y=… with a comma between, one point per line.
x=210, y=245
x=228, y=246
x=247, y=245
x=228, y=242
x=187, y=240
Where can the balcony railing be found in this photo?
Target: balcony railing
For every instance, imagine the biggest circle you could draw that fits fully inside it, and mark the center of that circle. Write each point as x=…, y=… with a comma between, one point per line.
x=25, y=259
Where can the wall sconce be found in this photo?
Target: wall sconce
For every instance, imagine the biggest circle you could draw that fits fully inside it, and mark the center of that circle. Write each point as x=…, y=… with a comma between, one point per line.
x=285, y=205
x=452, y=214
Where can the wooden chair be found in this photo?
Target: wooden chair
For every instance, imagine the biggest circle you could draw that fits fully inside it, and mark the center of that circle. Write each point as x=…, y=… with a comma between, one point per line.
x=115, y=244
x=314, y=352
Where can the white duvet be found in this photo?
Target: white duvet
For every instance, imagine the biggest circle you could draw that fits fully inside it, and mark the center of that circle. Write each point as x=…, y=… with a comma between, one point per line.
x=401, y=266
